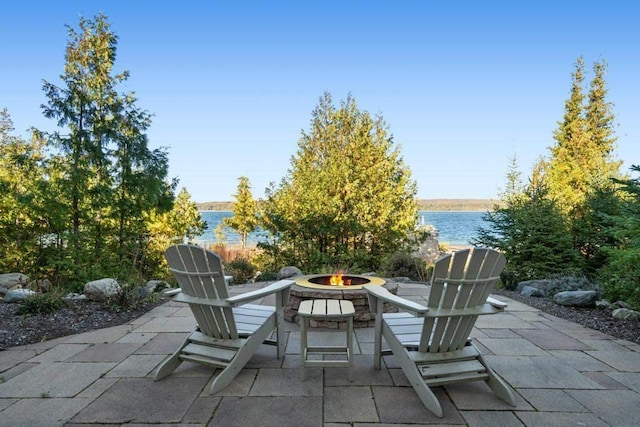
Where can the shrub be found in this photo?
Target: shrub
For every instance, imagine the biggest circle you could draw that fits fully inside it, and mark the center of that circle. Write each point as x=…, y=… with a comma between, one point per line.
x=508, y=280
x=402, y=264
x=241, y=269
x=267, y=276
x=130, y=298
x=40, y=304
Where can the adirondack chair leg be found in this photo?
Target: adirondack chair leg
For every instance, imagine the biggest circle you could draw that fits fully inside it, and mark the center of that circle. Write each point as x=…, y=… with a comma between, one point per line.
x=241, y=358
x=170, y=364
x=428, y=399
x=280, y=334
x=499, y=386
x=377, y=343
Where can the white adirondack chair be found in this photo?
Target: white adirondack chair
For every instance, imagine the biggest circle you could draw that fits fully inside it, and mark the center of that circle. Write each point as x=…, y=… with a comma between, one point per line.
x=432, y=343
x=228, y=333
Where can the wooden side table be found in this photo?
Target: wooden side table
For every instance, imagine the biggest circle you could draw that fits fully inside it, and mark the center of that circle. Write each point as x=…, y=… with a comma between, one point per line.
x=323, y=309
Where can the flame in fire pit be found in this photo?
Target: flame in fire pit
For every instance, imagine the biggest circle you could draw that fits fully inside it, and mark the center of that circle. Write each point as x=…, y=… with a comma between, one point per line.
x=336, y=280
x=339, y=279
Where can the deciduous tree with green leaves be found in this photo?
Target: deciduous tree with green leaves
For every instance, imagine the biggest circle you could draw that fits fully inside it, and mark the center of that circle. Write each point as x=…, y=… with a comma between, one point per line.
x=183, y=223
x=348, y=200
x=21, y=212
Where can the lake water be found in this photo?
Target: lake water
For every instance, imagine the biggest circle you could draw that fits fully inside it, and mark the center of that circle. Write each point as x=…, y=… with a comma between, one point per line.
x=456, y=228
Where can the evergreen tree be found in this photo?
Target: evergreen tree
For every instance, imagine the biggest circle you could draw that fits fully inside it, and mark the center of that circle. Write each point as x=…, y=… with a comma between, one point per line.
x=621, y=274
x=570, y=166
x=82, y=108
x=348, y=200
x=108, y=177
x=600, y=120
x=514, y=185
x=245, y=209
x=533, y=235
x=583, y=154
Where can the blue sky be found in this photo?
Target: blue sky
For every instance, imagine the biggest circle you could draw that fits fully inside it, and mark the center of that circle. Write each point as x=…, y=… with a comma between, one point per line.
x=463, y=86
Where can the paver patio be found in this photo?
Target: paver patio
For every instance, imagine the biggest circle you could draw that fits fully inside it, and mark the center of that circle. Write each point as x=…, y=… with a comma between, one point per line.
x=563, y=374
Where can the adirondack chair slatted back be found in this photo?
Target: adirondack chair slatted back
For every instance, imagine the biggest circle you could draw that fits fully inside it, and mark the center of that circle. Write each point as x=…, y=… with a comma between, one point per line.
x=460, y=280
x=199, y=274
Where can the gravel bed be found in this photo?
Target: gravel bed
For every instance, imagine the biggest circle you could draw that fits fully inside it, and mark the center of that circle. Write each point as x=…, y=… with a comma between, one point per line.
x=79, y=316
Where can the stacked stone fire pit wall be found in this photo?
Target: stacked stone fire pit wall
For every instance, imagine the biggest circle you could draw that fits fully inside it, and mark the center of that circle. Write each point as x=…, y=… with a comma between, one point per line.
x=363, y=318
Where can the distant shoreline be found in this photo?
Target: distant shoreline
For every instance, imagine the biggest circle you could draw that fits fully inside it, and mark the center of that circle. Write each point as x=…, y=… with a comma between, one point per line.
x=429, y=205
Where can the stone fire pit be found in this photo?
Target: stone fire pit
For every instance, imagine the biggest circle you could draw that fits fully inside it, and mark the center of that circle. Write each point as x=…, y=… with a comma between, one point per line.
x=313, y=287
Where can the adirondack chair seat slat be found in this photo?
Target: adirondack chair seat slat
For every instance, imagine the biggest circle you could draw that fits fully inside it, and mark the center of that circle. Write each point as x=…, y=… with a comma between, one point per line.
x=217, y=353
x=229, y=330
x=203, y=360
x=432, y=344
x=451, y=368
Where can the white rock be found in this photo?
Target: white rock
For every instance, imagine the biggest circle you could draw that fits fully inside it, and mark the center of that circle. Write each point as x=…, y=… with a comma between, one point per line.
x=101, y=290
x=287, y=272
x=17, y=295
x=625, y=313
x=10, y=280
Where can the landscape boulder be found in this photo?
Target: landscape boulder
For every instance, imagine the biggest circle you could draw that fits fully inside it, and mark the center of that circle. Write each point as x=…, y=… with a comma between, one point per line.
x=11, y=280
x=17, y=295
x=41, y=285
x=576, y=298
x=289, y=271
x=541, y=285
x=75, y=296
x=530, y=291
x=625, y=313
x=101, y=290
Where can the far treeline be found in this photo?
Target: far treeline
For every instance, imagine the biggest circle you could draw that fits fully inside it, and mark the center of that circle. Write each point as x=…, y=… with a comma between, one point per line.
x=437, y=205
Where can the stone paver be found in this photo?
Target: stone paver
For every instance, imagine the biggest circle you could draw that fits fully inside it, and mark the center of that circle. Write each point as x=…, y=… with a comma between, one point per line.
x=617, y=407
x=143, y=400
x=539, y=372
x=11, y=358
x=545, y=400
x=301, y=411
x=562, y=374
x=401, y=405
x=547, y=419
x=54, y=380
x=41, y=412
x=136, y=365
x=625, y=361
x=551, y=339
x=491, y=419
x=349, y=404
x=286, y=382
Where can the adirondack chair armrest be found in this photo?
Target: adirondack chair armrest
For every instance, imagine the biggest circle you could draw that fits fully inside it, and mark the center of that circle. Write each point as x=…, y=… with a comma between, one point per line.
x=496, y=303
x=171, y=292
x=278, y=286
x=381, y=293
x=182, y=297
